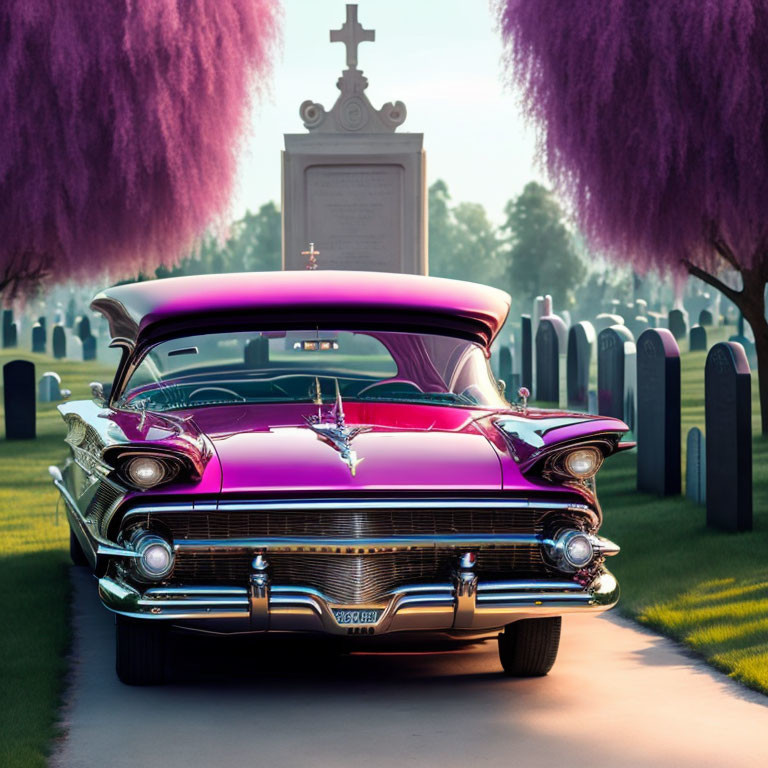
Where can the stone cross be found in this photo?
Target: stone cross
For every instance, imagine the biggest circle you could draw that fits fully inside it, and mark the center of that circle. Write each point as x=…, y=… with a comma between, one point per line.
x=352, y=34
x=312, y=255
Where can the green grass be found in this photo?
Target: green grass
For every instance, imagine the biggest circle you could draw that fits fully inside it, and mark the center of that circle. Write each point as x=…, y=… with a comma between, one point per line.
x=706, y=588
x=34, y=584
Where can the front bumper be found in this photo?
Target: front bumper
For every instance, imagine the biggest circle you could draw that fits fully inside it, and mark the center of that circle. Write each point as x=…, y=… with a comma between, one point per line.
x=476, y=606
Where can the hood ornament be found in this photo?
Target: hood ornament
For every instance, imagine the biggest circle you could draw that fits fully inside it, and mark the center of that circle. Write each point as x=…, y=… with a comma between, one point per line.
x=332, y=428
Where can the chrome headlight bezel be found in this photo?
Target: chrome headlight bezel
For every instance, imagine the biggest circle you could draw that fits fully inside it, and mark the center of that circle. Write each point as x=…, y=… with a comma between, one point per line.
x=167, y=466
x=147, y=546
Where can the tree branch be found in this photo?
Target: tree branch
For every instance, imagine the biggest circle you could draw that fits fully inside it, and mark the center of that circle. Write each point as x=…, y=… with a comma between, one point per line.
x=725, y=252
x=733, y=295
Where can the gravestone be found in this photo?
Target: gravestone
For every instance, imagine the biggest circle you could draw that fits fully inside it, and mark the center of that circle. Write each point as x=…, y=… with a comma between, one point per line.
x=581, y=345
x=83, y=327
x=548, y=352
x=352, y=186
x=19, y=400
x=641, y=308
x=257, y=352
x=49, y=387
x=526, y=352
x=38, y=338
x=606, y=320
x=615, y=365
x=697, y=340
x=59, y=342
x=89, y=348
x=658, y=413
x=10, y=331
x=728, y=412
x=706, y=318
x=69, y=316
x=637, y=326
x=696, y=466
x=505, y=365
x=677, y=322
x=592, y=401
x=74, y=347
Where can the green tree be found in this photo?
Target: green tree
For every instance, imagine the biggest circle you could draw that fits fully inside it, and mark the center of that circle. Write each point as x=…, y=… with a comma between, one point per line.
x=463, y=243
x=542, y=256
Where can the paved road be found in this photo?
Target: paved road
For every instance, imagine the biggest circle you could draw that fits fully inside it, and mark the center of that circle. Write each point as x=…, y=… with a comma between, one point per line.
x=618, y=696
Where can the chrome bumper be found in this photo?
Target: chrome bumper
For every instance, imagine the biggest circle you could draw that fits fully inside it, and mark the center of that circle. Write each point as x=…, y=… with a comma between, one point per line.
x=423, y=607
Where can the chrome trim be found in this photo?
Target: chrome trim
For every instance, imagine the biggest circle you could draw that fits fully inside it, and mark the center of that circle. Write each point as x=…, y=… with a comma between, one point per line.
x=420, y=607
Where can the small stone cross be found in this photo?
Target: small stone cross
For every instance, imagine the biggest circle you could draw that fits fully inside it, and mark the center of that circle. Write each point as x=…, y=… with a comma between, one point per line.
x=312, y=254
x=352, y=34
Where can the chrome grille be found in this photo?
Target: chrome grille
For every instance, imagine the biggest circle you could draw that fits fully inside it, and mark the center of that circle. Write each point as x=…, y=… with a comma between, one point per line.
x=363, y=523
x=357, y=578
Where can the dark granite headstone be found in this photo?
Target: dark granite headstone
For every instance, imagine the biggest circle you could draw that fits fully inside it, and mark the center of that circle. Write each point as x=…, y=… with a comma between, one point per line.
x=43, y=321
x=10, y=332
x=696, y=467
x=69, y=315
x=505, y=365
x=706, y=318
x=548, y=359
x=677, y=322
x=38, y=338
x=581, y=343
x=19, y=400
x=83, y=327
x=614, y=346
x=728, y=404
x=658, y=413
x=59, y=342
x=257, y=352
x=526, y=352
x=697, y=340
x=89, y=347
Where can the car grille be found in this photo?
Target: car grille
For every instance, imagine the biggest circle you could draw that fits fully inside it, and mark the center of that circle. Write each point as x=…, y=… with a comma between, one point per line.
x=362, y=523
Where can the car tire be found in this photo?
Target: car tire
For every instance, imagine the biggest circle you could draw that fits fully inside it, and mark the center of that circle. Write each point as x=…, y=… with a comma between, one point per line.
x=528, y=648
x=76, y=553
x=140, y=651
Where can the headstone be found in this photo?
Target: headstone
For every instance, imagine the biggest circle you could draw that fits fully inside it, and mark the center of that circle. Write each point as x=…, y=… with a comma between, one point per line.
x=657, y=319
x=10, y=331
x=49, y=387
x=38, y=338
x=59, y=342
x=696, y=467
x=697, y=340
x=526, y=352
x=615, y=365
x=74, y=347
x=706, y=318
x=19, y=400
x=257, y=352
x=581, y=346
x=592, y=401
x=89, y=348
x=351, y=185
x=637, y=326
x=658, y=413
x=83, y=327
x=548, y=353
x=748, y=344
x=69, y=316
x=677, y=322
x=505, y=365
x=641, y=308
x=728, y=412
x=606, y=320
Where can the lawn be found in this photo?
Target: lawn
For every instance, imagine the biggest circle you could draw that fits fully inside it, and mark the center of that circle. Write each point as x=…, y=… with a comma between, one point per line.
x=707, y=589
x=34, y=583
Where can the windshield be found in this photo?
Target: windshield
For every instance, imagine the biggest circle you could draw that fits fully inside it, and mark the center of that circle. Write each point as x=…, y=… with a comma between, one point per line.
x=305, y=366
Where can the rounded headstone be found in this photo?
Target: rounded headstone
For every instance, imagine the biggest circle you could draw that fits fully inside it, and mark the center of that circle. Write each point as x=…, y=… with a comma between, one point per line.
x=615, y=345
x=49, y=387
x=706, y=318
x=697, y=339
x=677, y=322
x=89, y=348
x=59, y=342
x=548, y=344
x=696, y=466
x=38, y=338
x=83, y=327
x=581, y=345
x=19, y=400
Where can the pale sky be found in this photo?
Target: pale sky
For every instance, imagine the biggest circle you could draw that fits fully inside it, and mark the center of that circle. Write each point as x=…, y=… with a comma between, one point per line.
x=441, y=57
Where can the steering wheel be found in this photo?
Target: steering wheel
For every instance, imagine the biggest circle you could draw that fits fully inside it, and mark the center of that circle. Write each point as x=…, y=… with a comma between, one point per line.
x=226, y=391
x=389, y=382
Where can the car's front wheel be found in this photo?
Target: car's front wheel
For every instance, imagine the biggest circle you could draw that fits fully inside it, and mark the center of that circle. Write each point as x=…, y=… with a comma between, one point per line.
x=528, y=648
x=140, y=651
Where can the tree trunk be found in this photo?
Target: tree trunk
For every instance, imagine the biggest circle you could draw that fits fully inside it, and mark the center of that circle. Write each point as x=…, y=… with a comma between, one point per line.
x=761, y=347
x=751, y=302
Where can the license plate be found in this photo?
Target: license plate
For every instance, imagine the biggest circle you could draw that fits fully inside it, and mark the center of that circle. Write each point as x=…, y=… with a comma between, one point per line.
x=348, y=617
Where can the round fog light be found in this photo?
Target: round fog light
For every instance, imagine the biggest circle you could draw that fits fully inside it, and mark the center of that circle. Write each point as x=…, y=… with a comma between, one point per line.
x=155, y=556
x=578, y=550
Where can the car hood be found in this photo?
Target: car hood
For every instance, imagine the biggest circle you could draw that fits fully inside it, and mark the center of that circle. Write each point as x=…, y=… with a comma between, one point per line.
x=271, y=449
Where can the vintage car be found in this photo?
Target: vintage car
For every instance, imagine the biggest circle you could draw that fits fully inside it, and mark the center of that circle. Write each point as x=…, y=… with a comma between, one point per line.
x=328, y=452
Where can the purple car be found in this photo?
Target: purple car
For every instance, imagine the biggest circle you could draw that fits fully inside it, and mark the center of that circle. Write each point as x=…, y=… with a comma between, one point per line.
x=328, y=452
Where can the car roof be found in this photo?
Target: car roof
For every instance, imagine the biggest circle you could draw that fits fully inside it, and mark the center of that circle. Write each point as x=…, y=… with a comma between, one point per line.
x=155, y=309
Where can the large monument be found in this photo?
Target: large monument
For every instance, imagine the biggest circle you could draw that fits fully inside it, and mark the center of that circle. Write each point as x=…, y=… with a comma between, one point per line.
x=352, y=186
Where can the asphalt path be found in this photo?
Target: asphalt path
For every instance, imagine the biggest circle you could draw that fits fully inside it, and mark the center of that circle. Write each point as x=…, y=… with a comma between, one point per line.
x=618, y=696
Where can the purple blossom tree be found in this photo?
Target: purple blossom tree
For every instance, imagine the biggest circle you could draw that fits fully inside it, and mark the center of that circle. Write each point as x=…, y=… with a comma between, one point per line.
x=653, y=122
x=120, y=124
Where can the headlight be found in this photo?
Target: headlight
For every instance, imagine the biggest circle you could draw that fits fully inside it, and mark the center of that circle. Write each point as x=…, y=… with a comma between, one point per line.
x=155, y=556
x=571, y=550
x=145, y=471
x=583, y=463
